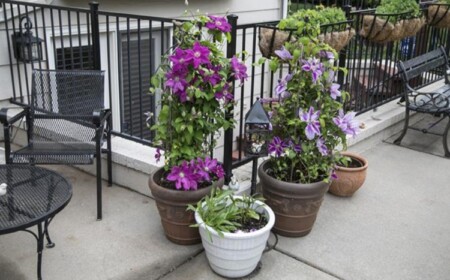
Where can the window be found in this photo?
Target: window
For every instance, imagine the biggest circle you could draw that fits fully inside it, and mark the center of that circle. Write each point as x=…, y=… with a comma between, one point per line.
x=75, y=58
x=140, y=56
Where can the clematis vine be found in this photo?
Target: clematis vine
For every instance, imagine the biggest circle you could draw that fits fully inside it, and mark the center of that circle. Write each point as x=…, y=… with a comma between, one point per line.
x=194, y=82
x=312, y=122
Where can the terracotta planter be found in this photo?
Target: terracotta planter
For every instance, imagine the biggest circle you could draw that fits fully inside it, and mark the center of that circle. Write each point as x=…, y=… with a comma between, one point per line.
x=350, y=179
x=295, y=205
x=172, y=206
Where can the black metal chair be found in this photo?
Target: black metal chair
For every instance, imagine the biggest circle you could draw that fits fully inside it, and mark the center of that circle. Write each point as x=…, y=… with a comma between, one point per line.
x=66, y=122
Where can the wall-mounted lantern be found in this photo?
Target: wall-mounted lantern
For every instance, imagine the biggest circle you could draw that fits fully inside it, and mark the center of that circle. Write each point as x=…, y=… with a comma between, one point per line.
x=257, y=129
x=27, y=48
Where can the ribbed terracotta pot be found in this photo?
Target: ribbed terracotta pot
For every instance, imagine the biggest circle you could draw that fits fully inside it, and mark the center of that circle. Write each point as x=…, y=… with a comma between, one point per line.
x=295, y=205
x=172, y=206
x=349, y=179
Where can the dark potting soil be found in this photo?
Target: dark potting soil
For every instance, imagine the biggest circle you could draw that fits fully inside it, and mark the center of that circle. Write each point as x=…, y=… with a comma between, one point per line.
x=354, y=163
x=252, y=224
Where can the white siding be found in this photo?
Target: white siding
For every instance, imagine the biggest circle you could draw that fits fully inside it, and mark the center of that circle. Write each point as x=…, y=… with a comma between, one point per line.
x=249, y=11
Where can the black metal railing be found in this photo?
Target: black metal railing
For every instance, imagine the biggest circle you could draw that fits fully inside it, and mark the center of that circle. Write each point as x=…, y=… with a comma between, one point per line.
x=129, y=49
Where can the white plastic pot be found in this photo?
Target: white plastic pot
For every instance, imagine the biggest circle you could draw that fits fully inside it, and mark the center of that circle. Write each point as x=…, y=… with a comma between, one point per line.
x=236, y=254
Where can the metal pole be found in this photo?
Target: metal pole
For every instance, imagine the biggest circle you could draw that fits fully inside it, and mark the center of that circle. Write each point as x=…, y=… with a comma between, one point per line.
x=228, y=141
x=95, y=34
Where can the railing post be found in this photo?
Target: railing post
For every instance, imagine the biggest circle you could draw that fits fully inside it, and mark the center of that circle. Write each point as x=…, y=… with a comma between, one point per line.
x=95, y=34
x=228, y=137
x=343, y=53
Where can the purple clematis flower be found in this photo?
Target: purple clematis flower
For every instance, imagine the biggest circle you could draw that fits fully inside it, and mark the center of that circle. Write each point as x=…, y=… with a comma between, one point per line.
x=283, y=53
x=333, y=175
x=334, y=91
x=347, y=123
x=314, y=66
x=277, y=146
x=198, y=54
x=239, y=69
x=218, y=170
x=205, y=167
x=320, y=144
x=218, y=23
x=330, y=78
x=296, y=147
x=158, y=154
x=180, y=60
x=211, y=76
x=176, y=81
x=313, y=125
x=281, y=87
x=326, y=54
x=224, y=93
x=183, y=177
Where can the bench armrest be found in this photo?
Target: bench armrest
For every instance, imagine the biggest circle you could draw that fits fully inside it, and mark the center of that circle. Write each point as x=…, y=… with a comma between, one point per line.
x=100, y=116
x=435, y=100
x=4, y=115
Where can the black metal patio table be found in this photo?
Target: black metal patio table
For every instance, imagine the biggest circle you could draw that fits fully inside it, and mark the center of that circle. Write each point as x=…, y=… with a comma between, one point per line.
x=33, y=197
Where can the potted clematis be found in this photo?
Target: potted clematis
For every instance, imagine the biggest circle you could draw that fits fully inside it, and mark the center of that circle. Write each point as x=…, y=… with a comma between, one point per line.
x=194, y=84
x=308, y=124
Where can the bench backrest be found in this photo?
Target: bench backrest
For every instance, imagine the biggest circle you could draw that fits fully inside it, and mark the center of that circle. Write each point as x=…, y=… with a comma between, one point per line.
x=416, y=66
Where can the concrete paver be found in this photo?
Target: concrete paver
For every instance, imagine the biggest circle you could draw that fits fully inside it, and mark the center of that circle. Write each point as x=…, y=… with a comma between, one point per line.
x=395, y=227
x=274, y=265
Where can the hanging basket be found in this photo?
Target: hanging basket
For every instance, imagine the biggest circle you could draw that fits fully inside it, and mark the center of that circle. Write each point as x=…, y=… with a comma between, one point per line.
x=438, y=15
x=337, y=39
x=337, y=35
x=379, y=28
x=272, y=39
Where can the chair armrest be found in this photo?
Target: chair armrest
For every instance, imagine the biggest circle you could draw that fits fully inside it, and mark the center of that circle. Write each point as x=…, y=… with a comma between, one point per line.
x=99, y=116
x=4, y=115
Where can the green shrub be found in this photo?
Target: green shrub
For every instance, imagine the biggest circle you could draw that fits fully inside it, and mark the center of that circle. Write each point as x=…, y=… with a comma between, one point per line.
x=398, y=6
x=308, y=21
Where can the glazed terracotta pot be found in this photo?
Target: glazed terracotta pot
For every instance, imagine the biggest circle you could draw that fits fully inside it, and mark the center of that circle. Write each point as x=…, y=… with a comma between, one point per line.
x=295, y=205
x=351, y=178
x=172, y=206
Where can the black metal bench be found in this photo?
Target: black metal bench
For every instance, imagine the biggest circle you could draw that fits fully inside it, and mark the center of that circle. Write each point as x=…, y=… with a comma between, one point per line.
x=425, y=69
x=66, y=122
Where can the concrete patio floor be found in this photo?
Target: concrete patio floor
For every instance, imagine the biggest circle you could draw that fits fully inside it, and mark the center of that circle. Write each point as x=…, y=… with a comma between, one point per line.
x=395, y=227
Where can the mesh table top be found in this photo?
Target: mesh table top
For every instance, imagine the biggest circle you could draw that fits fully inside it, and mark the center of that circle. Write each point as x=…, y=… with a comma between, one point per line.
x=33, y=194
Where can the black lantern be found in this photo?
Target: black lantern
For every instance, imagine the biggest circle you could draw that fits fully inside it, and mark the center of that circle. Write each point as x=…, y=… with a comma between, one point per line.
x=257, y=129
x=27, y=48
